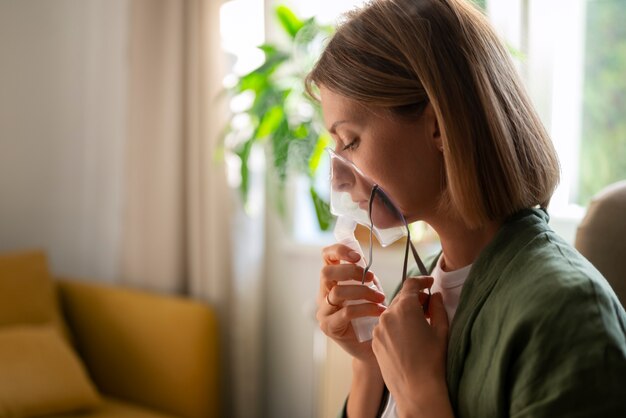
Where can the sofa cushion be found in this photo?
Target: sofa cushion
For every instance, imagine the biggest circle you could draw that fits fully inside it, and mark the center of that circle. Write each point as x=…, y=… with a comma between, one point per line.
x=115, y=408
x=154, y=350
x=27, y=292
x=41, y=375
x=600, y=236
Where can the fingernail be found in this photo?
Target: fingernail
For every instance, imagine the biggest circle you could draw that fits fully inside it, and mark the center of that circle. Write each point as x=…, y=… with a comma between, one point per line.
x=354, y=255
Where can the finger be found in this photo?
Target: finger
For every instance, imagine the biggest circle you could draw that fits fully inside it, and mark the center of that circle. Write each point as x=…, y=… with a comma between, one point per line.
x=340, y=294
x=376, y=281
x=417, y=284
x=438, y=315
x=423, y=297
x=333, y=274
x=336, y=253
x=339, y=320
x=408, y=302
x=325, y=310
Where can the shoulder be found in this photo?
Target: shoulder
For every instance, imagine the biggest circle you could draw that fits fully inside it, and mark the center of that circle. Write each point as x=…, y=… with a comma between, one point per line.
x=565, y=328
x=553, y=286
x=541, y=328
x=549, y=273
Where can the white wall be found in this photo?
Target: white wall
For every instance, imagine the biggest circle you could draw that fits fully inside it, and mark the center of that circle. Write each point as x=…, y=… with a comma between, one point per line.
x=292, y=280
x=62, y=107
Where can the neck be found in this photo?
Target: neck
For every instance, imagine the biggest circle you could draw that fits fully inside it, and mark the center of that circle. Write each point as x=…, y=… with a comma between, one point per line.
x=461, y=245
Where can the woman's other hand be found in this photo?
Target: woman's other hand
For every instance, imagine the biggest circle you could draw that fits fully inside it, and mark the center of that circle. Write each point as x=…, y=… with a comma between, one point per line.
x=411, y=352
x=333, y=315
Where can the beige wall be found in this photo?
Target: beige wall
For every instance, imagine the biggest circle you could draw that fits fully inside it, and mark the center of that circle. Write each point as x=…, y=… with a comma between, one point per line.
x=62, y=107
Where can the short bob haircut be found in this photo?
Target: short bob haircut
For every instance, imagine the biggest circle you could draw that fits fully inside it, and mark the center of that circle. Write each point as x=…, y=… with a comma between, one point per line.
x=400, y=54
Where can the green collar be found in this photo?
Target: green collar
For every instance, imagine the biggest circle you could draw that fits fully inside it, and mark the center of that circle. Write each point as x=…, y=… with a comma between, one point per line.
x=514, y=234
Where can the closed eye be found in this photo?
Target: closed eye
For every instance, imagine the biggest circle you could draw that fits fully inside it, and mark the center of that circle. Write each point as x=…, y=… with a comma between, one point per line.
x=352, y=145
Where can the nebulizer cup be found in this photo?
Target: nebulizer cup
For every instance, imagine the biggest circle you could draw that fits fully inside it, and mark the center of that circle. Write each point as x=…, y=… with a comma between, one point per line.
x=356, y=199
x=344, y=233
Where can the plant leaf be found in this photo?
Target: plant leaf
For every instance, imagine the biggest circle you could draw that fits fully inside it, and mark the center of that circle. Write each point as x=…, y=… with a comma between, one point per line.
x=252, y=81
x=301, y=131
x=259, y=78
x=289, y=21
x=265, y=100
x=276, y=115
x=322, y=142
x=270, y=121
x=280, y=148
x=268, y=49
x=244, y=154
x=322, y=210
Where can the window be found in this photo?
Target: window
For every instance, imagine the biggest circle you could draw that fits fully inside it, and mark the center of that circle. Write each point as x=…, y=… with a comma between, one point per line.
x=574, y=71
x=603, y=133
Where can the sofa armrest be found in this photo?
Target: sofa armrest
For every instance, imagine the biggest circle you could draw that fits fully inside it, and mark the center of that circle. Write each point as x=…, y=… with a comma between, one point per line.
x=158, y=351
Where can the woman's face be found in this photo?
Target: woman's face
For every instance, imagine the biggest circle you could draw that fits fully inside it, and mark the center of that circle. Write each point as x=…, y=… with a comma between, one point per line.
x=402, y=156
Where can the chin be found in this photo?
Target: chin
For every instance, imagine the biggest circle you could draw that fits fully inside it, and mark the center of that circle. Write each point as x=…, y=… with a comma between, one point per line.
x=416, y=216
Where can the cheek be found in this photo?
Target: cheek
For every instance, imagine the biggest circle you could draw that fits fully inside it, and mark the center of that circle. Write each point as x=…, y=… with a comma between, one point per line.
x=407, y=169
x=413, y=179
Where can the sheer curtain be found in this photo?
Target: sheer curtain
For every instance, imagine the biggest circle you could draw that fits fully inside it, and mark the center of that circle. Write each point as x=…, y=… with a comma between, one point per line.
x=177, y=228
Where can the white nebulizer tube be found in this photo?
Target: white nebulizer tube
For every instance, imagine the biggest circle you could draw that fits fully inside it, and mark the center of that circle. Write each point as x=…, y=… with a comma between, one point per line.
x=344, y=233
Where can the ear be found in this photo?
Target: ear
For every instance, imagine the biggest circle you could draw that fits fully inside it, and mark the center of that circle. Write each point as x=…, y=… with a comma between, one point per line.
x=433, y=126
x=437, y=136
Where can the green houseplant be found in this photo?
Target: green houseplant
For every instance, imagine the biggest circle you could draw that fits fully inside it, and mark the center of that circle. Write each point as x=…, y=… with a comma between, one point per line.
x=279, y=115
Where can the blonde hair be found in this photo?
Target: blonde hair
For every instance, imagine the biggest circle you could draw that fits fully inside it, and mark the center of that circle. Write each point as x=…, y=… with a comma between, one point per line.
x=401, y=54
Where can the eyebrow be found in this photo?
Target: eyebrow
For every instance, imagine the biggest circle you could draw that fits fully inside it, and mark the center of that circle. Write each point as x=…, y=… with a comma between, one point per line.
x=333, y=128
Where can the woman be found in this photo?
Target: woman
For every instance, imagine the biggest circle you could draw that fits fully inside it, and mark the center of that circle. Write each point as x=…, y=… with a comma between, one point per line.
x=422, y=97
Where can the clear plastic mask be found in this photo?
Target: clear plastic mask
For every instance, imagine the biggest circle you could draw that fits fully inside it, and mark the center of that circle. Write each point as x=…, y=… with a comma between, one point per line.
x=355, y=196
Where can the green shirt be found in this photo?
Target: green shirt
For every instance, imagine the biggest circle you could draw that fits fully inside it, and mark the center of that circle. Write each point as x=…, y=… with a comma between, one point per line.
x=538, y=331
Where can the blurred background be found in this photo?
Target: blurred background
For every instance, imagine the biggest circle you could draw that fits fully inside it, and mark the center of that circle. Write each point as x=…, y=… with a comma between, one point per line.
x=152, y=144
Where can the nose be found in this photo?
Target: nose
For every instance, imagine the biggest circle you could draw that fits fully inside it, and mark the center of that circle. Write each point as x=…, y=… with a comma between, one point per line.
x=343, y=177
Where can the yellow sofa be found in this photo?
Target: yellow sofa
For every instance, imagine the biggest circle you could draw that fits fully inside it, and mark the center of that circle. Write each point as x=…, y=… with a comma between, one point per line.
x=138, y=355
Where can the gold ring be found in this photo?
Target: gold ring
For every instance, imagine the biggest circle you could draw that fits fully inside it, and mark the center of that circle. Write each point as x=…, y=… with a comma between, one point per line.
x=330, y=303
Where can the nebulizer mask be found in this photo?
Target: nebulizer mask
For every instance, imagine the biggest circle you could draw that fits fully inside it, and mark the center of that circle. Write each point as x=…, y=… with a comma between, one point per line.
x=356, y=199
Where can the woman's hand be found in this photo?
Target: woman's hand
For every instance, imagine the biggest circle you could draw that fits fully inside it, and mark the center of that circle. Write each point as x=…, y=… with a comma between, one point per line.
x=411, y=352
x=335, y=320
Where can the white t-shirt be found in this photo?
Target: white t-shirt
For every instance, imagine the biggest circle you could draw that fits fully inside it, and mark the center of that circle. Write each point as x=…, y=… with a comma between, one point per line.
x=449, y=284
